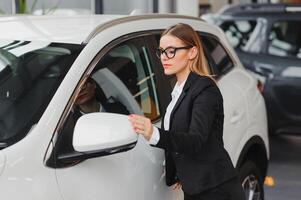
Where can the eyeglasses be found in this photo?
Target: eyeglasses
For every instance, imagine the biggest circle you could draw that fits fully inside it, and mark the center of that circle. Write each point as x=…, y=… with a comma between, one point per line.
x=170, y=52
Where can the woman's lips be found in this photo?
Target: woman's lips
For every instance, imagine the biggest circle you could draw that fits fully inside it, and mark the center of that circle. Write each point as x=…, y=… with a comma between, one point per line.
x=166, y=65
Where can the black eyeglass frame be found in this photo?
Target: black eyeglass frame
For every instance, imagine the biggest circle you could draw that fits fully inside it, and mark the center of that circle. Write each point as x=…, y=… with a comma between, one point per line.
x=160, y=51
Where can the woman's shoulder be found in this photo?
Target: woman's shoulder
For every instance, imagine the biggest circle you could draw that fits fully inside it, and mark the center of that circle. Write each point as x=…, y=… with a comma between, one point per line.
x=202, y=81
x=205, y=84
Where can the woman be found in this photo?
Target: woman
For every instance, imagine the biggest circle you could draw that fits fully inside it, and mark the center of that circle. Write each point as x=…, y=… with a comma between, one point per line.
x=192, y=131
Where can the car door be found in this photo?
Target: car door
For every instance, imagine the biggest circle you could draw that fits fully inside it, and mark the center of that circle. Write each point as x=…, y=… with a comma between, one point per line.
x=281, y=64
x=125, y=75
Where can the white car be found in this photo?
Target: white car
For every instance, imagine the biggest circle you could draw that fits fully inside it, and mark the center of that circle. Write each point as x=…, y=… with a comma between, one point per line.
x=45, y=60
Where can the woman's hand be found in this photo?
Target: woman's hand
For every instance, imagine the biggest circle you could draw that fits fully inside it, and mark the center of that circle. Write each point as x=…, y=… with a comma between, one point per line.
x=142, y=125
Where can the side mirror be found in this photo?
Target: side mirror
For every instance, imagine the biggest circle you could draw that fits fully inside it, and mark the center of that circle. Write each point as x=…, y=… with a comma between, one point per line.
x=102, y=131
x=100, y=134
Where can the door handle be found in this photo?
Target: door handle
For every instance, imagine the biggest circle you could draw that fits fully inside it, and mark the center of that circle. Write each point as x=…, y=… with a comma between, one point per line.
x=235, y=117
x=264, y=69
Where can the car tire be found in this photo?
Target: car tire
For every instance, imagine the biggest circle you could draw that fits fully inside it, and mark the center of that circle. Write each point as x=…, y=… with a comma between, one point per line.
x=251, y=181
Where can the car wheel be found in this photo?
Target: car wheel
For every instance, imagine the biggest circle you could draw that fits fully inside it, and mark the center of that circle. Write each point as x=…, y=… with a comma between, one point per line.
x=251, y=181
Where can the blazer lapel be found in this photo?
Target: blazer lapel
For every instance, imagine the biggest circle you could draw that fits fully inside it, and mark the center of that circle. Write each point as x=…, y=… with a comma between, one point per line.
x=190, y=79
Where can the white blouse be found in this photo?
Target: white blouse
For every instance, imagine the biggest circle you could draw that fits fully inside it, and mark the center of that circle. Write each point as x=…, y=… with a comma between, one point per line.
x=175, y=94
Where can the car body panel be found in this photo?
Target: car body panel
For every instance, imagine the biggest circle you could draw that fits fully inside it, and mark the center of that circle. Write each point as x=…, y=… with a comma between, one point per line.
x=235, y=109
x=126, y=171
x=25, y=171
x=2, y=162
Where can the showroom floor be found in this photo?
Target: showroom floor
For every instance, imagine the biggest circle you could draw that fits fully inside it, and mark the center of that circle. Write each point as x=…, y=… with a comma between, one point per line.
x=285, y=168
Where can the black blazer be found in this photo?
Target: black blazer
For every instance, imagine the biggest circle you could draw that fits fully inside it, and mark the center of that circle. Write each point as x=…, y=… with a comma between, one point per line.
x=194, y=149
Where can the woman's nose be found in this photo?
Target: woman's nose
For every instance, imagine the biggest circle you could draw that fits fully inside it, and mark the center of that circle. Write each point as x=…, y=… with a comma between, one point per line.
x=163, y=57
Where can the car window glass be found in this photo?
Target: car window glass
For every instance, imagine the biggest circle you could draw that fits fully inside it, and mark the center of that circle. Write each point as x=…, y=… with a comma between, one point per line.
x=284, y=39
x=239, y=32
x=218, y=59
x=30, y=73
x=130, y=63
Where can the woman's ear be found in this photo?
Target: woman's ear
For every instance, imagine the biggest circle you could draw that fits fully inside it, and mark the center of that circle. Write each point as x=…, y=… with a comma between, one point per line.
x=193, y=53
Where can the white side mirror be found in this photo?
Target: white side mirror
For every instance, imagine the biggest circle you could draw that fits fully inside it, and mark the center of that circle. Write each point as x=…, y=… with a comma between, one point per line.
x=103, y=131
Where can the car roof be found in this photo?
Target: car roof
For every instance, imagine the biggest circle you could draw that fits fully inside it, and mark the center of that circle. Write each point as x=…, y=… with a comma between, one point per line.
x=64, y=29
x=261, y=9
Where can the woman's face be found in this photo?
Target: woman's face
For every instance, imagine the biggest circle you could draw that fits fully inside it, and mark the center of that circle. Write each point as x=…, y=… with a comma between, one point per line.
x=86, y=93
x=179, y=64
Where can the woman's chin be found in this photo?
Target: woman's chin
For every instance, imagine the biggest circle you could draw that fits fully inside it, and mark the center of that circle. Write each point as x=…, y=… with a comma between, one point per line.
x=168, y=72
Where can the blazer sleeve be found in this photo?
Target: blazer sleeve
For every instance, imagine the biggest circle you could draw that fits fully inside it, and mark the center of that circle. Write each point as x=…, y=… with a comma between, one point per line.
x=204, y=110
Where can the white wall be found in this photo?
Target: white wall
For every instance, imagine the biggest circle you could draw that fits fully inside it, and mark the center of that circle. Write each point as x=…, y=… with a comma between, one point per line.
x=79, y=4
x=165, y=6
x=5, y=6
x=217, y=5
x=187, y=7
x=127, y=6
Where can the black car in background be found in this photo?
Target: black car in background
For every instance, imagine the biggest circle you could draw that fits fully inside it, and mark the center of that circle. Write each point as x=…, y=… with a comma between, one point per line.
x=267, y=39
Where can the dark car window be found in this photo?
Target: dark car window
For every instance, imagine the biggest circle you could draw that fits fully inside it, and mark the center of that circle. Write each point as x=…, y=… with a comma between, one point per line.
x=30, y=73
x=285, y=39
x=218, y=59
x=239, y=32
x=130, y=63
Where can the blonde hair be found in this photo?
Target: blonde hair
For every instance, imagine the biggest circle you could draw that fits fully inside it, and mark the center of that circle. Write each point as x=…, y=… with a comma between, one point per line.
x=189, y=36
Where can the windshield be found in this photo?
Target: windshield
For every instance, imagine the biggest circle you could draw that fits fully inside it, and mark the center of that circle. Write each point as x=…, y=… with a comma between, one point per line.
x=30, y=73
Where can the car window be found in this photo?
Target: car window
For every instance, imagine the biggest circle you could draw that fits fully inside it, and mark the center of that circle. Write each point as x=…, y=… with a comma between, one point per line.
x=30, y=73
x=284, y=39
x=130, y=63
x=239, y=32
x=122, y=82
x=218, y=59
